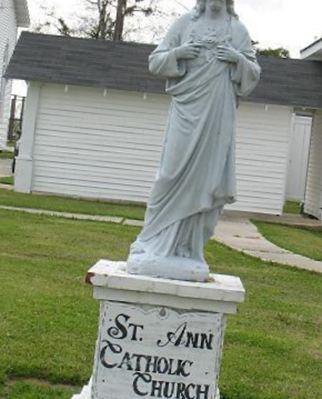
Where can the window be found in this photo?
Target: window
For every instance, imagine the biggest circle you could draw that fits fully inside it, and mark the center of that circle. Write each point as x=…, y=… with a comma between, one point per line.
x=3, y=82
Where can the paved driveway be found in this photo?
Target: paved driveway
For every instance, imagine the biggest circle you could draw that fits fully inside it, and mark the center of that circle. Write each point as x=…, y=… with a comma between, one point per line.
x=5, y=167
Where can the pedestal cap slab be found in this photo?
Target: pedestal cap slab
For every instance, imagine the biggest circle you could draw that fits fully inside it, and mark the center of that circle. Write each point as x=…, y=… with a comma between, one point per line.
x=221, y=293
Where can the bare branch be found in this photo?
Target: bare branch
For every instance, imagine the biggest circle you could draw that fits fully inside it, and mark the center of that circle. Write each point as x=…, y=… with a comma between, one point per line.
x=101, y=19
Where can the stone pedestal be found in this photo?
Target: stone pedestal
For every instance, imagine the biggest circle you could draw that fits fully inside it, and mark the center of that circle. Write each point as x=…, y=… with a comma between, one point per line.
x=158, y=338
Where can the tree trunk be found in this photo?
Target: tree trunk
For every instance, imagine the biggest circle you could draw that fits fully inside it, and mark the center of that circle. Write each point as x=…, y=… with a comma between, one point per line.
x=119, y=23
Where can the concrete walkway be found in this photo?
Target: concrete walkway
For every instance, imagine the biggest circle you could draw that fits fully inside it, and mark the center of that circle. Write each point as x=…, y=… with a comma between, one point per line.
x=76, y=216
x=234, y=230
x=5, y=167
x=242, y=235
x=286, y=219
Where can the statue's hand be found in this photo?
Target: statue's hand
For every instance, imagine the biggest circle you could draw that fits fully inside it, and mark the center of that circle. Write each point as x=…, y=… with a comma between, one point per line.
x=188, y=51
x=228, y=54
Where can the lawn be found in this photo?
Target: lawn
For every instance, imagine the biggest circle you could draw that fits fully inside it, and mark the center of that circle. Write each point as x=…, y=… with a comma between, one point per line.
x=7, y=180
x=73, y=205
x=292, y=207
x=302, y=241
x=6, y=155
x=49, y=320
x=36, y=390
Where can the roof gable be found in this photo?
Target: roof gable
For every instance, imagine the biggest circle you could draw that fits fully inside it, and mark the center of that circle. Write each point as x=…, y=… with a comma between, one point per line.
x=313, y=51
x=123, y=66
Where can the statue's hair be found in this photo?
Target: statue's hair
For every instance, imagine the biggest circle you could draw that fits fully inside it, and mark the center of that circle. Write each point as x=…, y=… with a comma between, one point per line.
x=201, y=6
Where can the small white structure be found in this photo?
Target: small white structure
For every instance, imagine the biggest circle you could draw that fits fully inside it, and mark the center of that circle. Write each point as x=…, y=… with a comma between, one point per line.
x=84, y=143
x=313, y=193
x=95, y=118
x=13, y=14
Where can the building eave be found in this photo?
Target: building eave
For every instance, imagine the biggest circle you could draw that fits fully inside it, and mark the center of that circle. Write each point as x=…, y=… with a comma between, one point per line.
x=313, y=51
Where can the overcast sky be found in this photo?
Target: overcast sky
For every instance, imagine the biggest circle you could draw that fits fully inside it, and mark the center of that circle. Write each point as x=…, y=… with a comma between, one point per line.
x=292, y=24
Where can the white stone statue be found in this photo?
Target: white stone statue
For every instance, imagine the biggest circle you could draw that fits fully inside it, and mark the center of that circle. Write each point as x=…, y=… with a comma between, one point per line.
x=209, y=62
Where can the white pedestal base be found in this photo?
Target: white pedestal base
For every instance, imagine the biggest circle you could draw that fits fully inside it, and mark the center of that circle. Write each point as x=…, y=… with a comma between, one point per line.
x=86, y=392
x=158, y=338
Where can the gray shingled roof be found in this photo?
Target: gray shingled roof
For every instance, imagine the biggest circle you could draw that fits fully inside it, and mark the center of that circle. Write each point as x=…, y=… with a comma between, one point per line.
x=121, y=65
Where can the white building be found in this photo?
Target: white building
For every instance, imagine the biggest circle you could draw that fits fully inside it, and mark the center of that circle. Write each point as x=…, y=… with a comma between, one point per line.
x=313, y=193
x=95, y=118
x=13, y=14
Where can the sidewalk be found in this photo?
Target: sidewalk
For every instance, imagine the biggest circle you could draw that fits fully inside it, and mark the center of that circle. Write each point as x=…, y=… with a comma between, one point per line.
x=287, y=219
x=5, y=167
x=76, y=216
x=234, y=230
x=242, y=235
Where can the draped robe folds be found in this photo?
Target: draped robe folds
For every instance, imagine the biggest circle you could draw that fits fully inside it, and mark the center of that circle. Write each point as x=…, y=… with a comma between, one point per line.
x=196, y=177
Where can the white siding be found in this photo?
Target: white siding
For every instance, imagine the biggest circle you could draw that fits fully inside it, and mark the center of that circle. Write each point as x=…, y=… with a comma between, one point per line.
x=108, y=147
x=8, y=35
x=95, y=146
x=313, y=195
x=263, y=135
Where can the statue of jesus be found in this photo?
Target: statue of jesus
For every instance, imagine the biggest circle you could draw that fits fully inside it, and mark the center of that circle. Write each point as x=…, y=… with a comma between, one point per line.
x=209, y=62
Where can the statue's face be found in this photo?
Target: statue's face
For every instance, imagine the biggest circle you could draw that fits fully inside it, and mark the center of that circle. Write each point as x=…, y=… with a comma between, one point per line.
x=216, y=5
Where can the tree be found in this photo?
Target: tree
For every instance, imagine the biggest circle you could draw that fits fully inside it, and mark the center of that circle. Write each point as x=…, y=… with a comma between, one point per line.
x=124, y=10
x=276, y=52
x=100, y=19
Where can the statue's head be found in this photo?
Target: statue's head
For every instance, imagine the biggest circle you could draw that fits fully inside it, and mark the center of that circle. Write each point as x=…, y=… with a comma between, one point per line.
x=216, y=5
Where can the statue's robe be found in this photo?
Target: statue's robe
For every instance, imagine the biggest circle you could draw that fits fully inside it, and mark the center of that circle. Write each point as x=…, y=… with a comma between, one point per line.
x=196, y=177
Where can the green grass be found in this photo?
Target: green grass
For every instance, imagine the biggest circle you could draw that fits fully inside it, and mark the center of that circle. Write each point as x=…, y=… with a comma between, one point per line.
x=302, y=241
x=60, y=204
x=293, y=207
x=48, y=321
x=7, y=180
x=37, y=390
x=6, y=155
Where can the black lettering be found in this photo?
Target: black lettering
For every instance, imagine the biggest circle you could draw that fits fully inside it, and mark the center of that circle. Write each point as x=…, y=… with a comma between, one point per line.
x=206, y=340
x=181, y=391
x=163, y=368
x=181, y=371
x=151, y=367
x=114, y=348
x=156, y=390
x=188, y=387
x=120, y=331
x=168, y=390
x=183, y=328
x=138, y=365
x=127, y=361
x=137, y=377
x=135, y=330
x=192, y=339
x=174, y=337
x=202, y=392
x=172, y=370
